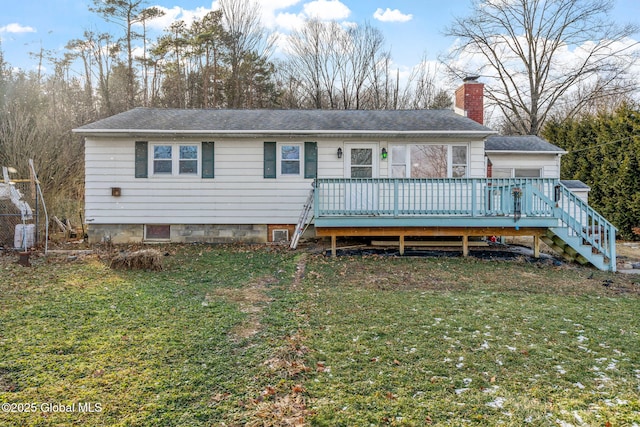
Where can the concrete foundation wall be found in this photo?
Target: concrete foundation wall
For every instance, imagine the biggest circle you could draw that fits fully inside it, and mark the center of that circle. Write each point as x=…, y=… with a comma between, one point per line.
x=181, y=233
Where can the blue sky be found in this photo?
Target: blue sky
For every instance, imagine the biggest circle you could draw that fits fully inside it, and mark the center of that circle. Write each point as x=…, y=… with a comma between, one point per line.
x=411, y=27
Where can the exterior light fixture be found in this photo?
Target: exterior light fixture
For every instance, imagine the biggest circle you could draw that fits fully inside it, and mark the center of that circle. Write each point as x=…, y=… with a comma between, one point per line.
x=384, y=153
x=339, y=152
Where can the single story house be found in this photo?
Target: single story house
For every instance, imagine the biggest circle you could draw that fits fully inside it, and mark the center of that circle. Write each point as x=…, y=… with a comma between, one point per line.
x=180, y=175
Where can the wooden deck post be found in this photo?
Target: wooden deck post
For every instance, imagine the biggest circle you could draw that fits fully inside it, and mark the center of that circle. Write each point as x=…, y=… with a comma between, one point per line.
x=402, y=244
x=536, y=246
x=333, y=245
x=465, y=246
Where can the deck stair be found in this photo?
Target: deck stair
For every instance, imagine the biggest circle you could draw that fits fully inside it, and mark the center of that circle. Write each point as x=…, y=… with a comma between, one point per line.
x=567, y=251
x=582, y=234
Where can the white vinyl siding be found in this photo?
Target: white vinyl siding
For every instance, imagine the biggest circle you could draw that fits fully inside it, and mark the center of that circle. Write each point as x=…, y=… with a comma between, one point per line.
x=239, y=194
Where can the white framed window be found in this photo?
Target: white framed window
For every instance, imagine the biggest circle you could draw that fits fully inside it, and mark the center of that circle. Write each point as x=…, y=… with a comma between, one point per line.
x=501, y=172
x=459, y=161
x=188, y=160
x=175, y=159
x=290, y=159
x=429, y=161
x=516, y=173
x=399, y=161
x=162, y=160
x=527, y=173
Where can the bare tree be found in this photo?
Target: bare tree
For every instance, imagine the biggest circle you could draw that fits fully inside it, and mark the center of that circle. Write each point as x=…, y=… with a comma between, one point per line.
x=127, y=14
x=333, y=67
x=361, y=47
x=310, y=62
x=98, y=53
x=145, y=16
x=421, y=86
x=523, y=48
x=248, y=41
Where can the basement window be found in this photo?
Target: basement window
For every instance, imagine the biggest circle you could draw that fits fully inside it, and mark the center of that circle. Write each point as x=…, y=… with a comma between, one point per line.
x=157, y=232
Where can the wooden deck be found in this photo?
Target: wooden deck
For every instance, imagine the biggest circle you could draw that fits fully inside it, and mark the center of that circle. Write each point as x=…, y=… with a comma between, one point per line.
x=462, y=208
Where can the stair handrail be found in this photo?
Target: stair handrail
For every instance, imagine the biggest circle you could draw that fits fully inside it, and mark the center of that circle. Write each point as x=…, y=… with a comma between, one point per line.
x=599, y=232
x=573, y=212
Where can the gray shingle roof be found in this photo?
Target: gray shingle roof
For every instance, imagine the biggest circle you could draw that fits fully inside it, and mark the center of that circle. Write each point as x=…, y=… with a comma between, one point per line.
x=520, y=143
x=153, y=120
x=575, y=184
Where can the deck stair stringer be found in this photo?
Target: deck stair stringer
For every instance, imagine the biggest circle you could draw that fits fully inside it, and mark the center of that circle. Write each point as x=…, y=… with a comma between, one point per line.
x=572, y=248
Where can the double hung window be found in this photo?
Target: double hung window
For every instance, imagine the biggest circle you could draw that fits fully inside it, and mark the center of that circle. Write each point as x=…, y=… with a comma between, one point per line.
x=178, y=159
x=290, y=159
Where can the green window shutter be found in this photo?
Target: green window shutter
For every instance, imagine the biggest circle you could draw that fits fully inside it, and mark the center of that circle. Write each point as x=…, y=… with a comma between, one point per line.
x=207, y=160
x=310, y=159
x=142, y=163
x=270, y=159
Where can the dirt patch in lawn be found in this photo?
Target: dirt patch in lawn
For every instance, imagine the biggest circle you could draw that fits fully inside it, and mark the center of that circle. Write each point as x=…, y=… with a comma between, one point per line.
x=252, y=300
x=285, y=403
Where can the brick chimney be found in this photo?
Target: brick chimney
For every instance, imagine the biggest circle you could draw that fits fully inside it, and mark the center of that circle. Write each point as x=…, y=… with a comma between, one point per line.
x=470, y=99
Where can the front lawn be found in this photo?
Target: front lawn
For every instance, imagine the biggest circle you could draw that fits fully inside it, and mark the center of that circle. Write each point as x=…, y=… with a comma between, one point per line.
x=263, y=336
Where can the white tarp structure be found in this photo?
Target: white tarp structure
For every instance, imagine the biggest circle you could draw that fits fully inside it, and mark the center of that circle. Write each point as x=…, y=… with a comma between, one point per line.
x=9, y=192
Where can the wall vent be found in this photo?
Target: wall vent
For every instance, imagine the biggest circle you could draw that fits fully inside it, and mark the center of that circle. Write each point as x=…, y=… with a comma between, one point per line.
x=280, y=235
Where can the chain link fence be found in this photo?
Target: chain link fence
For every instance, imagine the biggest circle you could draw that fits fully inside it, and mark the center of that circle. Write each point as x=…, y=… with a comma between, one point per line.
x=14, y=233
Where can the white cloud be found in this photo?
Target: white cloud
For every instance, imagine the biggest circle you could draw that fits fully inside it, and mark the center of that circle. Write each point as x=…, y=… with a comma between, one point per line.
x=16, y=28
x=269, y=8
x=178, y=13
x=326, y=10
x=389, y=15
x=289, y=21
x=276, y=4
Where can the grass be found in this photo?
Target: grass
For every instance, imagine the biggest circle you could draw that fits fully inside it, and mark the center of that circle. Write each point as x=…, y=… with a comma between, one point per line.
x=260, y=336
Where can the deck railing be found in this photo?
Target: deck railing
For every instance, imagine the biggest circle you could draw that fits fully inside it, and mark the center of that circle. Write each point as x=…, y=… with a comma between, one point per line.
x=396, y=197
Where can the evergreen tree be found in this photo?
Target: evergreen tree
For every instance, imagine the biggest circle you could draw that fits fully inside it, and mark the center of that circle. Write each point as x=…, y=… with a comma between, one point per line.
x=604, y=152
